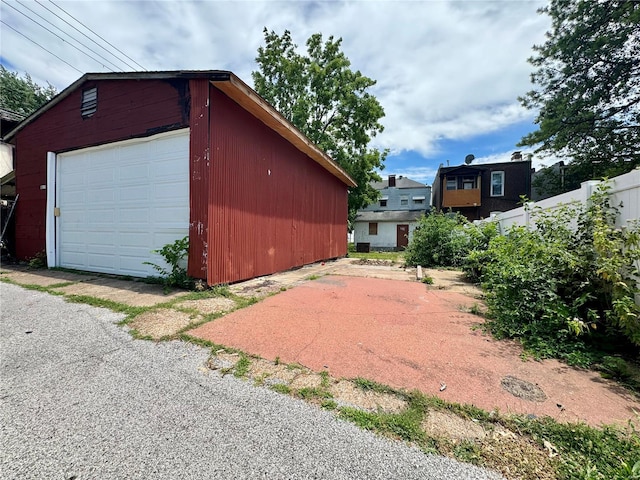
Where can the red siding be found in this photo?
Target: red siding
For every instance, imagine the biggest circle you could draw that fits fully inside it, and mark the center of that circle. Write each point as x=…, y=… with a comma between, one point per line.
x=126, y=109
x=198, y=178
x=271, y=207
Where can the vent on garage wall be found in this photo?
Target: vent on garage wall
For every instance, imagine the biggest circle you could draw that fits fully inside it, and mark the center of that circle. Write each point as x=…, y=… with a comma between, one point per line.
x=89, y=102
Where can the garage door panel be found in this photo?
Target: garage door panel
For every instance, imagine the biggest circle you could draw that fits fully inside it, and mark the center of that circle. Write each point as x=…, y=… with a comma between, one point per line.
x=134, y=175
x=103, y=195
x=133, y=193
x=121, y=201
x=102, y=261
x=136, y=239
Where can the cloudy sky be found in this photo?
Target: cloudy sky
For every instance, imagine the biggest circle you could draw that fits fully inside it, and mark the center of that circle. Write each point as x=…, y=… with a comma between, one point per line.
x=448, y=72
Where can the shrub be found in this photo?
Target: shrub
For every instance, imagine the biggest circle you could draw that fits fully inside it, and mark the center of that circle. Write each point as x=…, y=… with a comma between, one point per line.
x=445, y=239
x=566, y=285
x=174, y=254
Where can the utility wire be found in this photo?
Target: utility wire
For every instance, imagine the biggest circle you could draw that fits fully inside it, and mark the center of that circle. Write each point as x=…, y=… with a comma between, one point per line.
x=75, y=39
x=48, y=51
x=107, y=42
x=85, y=35
x=55, y=34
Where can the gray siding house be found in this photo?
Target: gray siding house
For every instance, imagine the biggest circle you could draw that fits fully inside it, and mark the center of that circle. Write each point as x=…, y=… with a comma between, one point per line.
x=389, y=223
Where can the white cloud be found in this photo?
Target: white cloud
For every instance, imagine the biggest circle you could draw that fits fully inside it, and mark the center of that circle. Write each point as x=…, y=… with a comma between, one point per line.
x=445, y=69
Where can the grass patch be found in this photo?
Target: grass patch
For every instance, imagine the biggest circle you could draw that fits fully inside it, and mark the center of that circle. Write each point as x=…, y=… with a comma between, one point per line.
x=109, y=304
x=325, y=379
x=281, y=388
x=28, y=286
x=241, y=368
x=395, y=257
x=311, y=393
x=370, y=385
x=312, y=277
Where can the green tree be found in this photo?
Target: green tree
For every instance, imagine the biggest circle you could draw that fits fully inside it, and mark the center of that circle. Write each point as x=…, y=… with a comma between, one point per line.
x=22, y=95
x=587, y=89
x=327, y=101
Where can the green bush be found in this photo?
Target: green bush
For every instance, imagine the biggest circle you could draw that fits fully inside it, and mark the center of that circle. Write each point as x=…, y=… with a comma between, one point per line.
x=174, y=253
x=445, y=239
x=566, y=287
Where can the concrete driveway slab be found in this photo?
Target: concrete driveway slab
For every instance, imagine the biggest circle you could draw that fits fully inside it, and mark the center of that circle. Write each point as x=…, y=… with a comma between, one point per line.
x=407, y=336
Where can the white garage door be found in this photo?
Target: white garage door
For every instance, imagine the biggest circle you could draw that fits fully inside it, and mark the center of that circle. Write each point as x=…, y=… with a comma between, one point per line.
x=120, y=201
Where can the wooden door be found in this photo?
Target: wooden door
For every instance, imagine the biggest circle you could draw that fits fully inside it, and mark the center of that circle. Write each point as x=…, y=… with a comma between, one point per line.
x=402, y=236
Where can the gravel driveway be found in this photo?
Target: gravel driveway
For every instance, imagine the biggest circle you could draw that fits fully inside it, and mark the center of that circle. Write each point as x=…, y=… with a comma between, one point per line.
x=80, y=399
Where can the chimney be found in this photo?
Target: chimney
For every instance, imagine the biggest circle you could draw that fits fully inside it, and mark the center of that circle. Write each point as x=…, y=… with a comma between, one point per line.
x=516, y=156
x=392, y=180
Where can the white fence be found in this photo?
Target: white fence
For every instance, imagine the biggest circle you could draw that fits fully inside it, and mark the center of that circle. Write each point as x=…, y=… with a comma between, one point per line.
x=625, y=194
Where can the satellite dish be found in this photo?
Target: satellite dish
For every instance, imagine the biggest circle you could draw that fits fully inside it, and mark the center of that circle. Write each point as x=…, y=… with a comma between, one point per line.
x=469, y=158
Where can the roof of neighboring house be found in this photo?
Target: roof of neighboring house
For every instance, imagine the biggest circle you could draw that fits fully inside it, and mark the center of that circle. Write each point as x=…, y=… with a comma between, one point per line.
x=10, y=116
x=232, y=86
x=390, y=216
x=475, y=167
x=401, y=182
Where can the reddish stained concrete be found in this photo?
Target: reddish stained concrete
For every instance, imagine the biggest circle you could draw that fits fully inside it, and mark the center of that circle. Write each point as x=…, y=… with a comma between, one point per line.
x=403, y=335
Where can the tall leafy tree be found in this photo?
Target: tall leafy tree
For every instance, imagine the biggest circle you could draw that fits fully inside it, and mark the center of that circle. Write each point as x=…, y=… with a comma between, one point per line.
x=326, y=100
x=587, y=90
x=21, y=94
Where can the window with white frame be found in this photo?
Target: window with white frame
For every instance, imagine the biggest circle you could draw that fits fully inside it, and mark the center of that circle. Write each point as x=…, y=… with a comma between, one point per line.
x=404, y=200
x=418, y=200
x=497, y=184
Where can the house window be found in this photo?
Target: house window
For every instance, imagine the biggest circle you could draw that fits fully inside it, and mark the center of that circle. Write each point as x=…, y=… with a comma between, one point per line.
x=452, y=183
x=468, y=183
x=497, y=184
x=383, y=203
x=89, y=102
x=404, y=200
x=373, y=229
x=418, y=200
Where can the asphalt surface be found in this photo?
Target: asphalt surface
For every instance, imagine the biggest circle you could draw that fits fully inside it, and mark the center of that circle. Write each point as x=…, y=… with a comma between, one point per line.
x=81, y=399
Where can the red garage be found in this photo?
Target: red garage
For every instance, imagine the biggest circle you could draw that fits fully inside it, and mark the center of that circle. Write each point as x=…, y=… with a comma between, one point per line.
x=120, y=164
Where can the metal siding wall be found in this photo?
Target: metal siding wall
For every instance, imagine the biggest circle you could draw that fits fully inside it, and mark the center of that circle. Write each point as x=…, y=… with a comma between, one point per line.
x=271, y=207
x=198, y=178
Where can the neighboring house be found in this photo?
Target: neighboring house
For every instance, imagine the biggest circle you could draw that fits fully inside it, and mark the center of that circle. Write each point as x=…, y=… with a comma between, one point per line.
x=477, y=191
x=8, y=121
x=389, y=223
x=120, y=164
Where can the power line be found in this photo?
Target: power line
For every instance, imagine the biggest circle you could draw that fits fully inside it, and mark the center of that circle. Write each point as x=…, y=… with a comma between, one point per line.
x=33, y=41
x=85, y=35
x=104, y=40
x=75, y=39
x=55, y=34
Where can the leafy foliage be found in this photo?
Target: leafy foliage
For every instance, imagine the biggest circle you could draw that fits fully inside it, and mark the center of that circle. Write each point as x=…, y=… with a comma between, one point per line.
x=327, y=101
x=587, y=89
x=174, y=254
x=445, y=240
x=566, y=288
x=22, y=95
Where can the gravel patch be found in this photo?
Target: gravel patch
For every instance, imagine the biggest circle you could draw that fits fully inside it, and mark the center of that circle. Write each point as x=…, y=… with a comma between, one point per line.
x=80, y=398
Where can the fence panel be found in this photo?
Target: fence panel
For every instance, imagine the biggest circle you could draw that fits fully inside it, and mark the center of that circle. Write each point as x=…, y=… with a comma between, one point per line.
x=625, y=194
